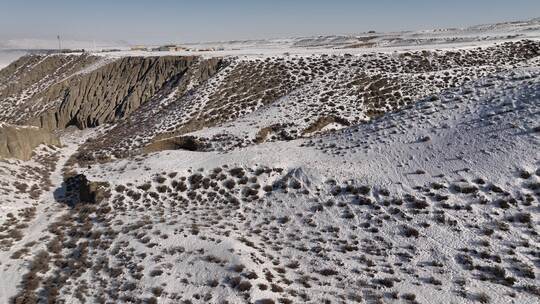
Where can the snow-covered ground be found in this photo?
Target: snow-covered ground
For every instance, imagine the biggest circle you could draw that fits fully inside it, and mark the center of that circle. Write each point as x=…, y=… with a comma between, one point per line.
x=435, y=200
x=441, y=170
x=444, y=39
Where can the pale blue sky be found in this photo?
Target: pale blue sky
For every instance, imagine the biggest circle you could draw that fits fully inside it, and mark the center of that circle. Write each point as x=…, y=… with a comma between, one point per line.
x=157, y=21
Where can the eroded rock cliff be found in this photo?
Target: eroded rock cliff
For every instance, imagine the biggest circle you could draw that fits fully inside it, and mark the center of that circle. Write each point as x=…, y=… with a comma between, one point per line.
x=96, y=91
x=19, y=141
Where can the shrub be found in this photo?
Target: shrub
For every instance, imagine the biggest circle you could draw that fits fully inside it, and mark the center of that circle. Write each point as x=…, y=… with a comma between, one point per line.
x=162, y=188
x=276, y=288
x=195, y=180
x=157, y=291
x=409, y=296
x=237, y=172
x=160, y=179
x=418, y=204
x=327, y=272
x=483, y=298
x=145, y=186
x=364, y=190
x=151, y=300
x=229, y=184
x=386, y=282
x=293, y=264
x=532, y=289
x=464, y=188
x=22, y=187
x=465, y=260
x=523, y=218
x=410, y=232
x=238, y=268
x=244, y=286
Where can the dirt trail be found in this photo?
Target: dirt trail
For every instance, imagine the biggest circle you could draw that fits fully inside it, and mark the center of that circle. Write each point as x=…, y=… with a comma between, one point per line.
x=47, y=211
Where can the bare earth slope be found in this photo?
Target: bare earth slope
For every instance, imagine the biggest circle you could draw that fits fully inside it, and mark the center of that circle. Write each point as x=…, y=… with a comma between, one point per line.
x=20, y=141
x=87, y=95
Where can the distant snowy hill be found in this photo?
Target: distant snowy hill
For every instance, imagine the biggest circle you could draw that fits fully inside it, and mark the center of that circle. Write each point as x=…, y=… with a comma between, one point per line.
x=7, y=57
x=487, y=32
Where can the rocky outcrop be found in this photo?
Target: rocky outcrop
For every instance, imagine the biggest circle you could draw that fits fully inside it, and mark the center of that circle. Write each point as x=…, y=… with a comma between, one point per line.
x=20, y=141
x=188, y=143
x=111, y=92
x=79, y=190
x=173, y=95
x=324, y=121
x=97, y=94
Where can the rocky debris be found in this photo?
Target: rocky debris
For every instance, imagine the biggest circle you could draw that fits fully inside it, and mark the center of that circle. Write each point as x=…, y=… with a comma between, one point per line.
x=324, y=121
x=19, y=141
x=189, y=143
x=79, y=190
x=275, y=131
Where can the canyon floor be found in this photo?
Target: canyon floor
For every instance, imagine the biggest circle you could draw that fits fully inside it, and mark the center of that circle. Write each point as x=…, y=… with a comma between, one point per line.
x=384, y=168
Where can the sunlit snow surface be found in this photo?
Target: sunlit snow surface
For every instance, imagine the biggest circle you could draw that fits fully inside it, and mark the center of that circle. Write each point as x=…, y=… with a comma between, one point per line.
x=434, y=202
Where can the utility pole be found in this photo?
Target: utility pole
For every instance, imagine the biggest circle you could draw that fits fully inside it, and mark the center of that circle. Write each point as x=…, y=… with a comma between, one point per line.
x=59, y=44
